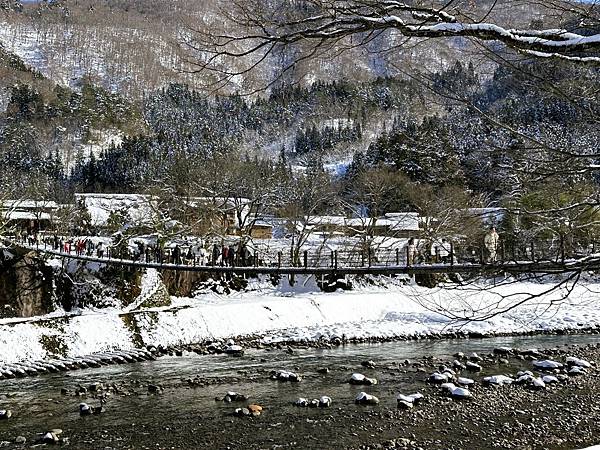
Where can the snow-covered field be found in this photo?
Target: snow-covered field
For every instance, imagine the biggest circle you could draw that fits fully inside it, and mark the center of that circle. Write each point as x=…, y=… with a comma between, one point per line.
x=302, y=312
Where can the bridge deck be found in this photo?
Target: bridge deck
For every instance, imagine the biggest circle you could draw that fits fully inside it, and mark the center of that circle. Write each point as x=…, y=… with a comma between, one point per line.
x=514, y=267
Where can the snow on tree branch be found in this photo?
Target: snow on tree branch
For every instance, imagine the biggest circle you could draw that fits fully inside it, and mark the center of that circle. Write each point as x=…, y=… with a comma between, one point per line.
x=257, y=30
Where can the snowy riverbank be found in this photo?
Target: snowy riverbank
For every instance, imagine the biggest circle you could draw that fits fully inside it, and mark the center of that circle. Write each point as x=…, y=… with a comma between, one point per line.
x=304, y=313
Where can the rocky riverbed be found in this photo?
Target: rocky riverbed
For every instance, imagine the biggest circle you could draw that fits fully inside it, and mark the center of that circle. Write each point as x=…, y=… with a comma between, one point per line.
x=189, y=401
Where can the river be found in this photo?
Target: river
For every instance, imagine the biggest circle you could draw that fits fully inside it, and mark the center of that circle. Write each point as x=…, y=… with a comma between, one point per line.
x=38, y=405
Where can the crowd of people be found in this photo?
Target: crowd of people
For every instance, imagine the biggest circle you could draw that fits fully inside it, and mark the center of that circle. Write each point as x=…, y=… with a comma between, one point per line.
x=225, y=255
x=235, y=254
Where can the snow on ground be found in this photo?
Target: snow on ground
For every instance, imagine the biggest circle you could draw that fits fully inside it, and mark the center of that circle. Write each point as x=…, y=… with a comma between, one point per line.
x=302, y=312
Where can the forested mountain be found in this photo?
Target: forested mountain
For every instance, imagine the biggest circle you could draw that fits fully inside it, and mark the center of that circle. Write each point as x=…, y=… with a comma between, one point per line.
x=84, y=118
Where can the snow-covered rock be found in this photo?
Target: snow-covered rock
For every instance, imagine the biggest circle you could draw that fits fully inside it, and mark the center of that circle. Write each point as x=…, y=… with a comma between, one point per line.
x=547, y=364
x=284, y=375
x=538, y=384
x=85, y=409
x=460, y=393
x=360, y=379
x=439, y=378
x=524, y=379
x=301, y=402
x=572, y=361
x=548, y=379
x=458, y=365
x=465, y=381
x=402, y=404
x=576, y=370
x=473, y=367
x=365, y=399
x=448, y=386
x=475, y=357
x=325, y=402
x=234, y=350
x=498, y=380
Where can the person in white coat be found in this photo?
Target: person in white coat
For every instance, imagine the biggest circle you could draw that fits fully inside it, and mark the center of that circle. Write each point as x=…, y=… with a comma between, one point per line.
x=491, y=242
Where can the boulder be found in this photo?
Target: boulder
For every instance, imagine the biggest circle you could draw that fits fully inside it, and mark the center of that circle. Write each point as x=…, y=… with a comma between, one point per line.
x=365, y=399
x=498, y=380
x=368, y=364
x=255, y=410
x=475, y=357
x=465, y=381
x=234, y=350
x=460, y=393
x=360, y=379
x=438, y=378
x=576, y=362
x=234, y=397
x=405, y=405
x=301, y=402
x=548, y=379
x=284, y=375
x=325, y=402
x=473, y=367
x=84, y=409
x=547, y=364
x=576, y=370
x=503, y=351
x=537, y=384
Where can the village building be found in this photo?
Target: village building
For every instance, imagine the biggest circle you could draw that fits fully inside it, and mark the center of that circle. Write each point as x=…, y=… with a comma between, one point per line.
x=27, y=215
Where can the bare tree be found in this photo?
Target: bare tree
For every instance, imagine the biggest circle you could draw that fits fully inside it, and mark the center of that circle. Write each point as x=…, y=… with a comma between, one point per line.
x=257, y=31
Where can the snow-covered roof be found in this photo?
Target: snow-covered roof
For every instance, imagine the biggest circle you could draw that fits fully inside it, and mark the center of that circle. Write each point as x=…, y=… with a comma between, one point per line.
x=141, y=209
x=220, y=201
x=262, y=223
x=28, y=204
x=24, y=215
x=408, y=221
x=327, y=220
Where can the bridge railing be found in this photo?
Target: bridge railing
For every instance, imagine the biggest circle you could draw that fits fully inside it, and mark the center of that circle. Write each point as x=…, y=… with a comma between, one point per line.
x=514, y=251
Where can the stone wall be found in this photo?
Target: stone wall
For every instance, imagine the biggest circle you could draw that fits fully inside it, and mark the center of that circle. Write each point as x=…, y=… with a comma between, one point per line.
x=26, y=286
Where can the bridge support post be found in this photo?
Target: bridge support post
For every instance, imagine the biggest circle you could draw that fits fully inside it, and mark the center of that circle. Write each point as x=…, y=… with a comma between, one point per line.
x=397, y=257
x=279, y=259
x=335, y=255
x=305, y=258
x=451, y=254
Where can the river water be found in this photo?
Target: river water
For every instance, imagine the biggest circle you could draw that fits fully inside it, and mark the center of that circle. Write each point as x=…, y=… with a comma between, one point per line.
x=38, y=405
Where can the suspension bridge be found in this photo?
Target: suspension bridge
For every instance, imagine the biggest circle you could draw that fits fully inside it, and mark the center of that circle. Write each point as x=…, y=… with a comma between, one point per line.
x=354, y=265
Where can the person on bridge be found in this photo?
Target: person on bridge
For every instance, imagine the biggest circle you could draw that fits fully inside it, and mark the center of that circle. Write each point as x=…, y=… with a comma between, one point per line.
x=491, y=242
x=203, y=256
x=90, y=247
x=443, y=250
x=215, y=255
x=177, y=255
x=411, y=252
x=231, y=254
x=225, y=256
